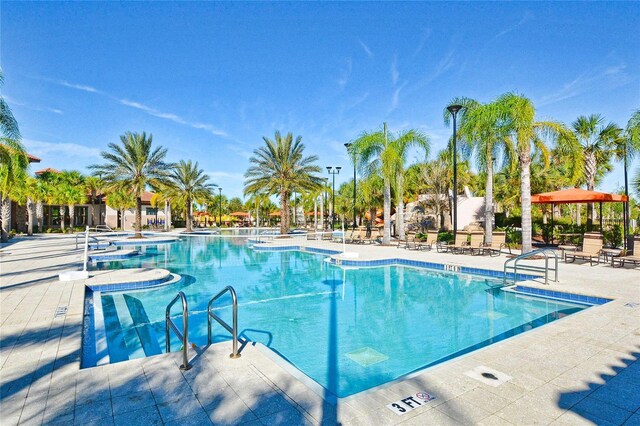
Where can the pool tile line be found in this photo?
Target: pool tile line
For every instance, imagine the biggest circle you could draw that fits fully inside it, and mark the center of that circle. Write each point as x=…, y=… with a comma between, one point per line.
x=560, y=295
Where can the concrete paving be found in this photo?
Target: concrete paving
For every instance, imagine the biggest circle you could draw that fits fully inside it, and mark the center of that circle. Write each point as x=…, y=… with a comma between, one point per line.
x=582, y=369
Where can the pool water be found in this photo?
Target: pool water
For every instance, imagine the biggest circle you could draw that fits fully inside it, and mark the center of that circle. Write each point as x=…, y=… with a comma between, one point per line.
x=348, y=329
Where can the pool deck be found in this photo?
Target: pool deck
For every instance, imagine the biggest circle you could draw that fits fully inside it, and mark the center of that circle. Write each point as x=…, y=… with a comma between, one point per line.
x=582, y=369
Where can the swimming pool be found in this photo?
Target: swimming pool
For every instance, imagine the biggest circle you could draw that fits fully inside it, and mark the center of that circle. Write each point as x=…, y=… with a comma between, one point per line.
x=348, y=329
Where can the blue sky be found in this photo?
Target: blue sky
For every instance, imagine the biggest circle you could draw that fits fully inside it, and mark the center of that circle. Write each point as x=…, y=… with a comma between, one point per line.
x=208, y=80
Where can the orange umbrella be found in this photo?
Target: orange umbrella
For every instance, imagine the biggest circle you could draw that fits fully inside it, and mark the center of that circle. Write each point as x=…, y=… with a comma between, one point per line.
x=239, y=214
x=577, y=195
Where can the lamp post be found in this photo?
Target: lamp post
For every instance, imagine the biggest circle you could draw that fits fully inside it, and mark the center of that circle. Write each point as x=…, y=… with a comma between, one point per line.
x=326, y=207
x=348, y=146
x=453, y=109
x=220, y=196
x=333, y=171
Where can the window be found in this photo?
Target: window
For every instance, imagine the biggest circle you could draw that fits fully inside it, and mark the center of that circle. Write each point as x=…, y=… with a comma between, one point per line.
x=81, y=214
x=150, y=211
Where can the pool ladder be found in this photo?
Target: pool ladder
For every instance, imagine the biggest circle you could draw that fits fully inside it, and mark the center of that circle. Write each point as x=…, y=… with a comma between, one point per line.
x=546, y=252
x=183, y=335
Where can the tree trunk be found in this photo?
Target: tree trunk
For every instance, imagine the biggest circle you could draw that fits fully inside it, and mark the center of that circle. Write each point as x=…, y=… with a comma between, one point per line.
x=488, y=204
x=137, y=226
x=40, y=216
x=315, y=213
x=258, y=215
x=63, y=212
x=72, y=217
x=5, y=213
x=284, y=212
x=30, y=216
x=386, y=235
x=188, y=214
x=400, y=205
x=525, y=193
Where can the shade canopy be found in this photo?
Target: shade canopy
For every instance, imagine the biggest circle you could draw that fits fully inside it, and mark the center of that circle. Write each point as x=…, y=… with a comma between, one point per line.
x=577, y=195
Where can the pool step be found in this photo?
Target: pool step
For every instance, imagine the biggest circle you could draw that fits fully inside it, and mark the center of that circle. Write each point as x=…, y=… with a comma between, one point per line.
x=131, y=338
x=146, y=335
x=115, y=334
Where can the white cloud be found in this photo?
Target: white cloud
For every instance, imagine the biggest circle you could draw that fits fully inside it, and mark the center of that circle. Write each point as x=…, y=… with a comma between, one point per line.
x=608, y=77
x=33, y=107
x=394, y=70
x=134, y=104
x=68, y=149
x=395, y=98
x=172, y=117
x=366, y=48
x=345, y=74
x=423, y=40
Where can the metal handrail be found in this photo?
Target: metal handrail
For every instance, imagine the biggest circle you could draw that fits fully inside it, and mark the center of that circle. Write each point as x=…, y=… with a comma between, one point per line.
x=184, y=335
x=545, y=269
x=93, y=239
x=103, y=228
x=233, y=330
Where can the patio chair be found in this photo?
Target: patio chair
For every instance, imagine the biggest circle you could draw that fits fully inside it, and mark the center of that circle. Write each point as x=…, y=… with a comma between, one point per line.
x=409, y=241
x=327, y=236
x=312, y=236
x=476, y=243
x=623, y=258
x=459, y=244
x=498, y=242
x=631, y=255
x=351, y=236
x=591, y=248
x=430, y=240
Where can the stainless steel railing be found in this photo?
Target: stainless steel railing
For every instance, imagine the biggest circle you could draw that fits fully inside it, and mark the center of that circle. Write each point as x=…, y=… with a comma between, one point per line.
x=184, y=335
x=546, y=252
x=231, y=329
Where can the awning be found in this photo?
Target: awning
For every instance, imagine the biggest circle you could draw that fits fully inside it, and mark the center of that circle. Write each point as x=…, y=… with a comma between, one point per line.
x=577, y=195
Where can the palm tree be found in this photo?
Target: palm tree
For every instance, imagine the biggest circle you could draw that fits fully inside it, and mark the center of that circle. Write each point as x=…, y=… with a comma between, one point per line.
x=382, y=153
x=93, y=185
x=24, y=195
x=188, y=184
x=120, y=200
x=133, y=166
x=74, y=193
x=278, y=168
x=437, y=190
x=13, y=167
x=13, y=161
x=626, y=149
x=480, y=133
x=590, y=146
x=517, y=114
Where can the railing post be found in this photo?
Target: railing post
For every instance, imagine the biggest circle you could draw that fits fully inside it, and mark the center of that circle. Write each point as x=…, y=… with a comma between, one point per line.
x=185, y=334
x=235, y=353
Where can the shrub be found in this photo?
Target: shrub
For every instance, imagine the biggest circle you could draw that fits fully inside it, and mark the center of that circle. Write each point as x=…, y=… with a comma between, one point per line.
x=446, y=237
x=613, y=236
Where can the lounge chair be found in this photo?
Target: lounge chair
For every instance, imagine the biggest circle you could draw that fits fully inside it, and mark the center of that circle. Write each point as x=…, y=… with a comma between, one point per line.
x=409, y=242
x=498, y=242
x=591, y=248
x=623, y=258
x=430, y=240
x=476, y=243
x=459, y=244
x=352, y=236
x=327, y=235
x=312, y=236
x=632, y=254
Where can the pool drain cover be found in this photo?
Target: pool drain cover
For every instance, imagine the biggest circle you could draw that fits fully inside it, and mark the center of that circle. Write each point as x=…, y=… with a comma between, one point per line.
x=488, y=376
x=367, y=356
